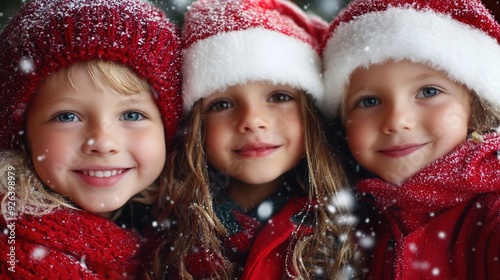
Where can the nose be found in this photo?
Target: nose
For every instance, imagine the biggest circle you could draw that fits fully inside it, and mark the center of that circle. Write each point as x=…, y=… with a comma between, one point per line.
x=253, y=118
x=398, y=118
x=101, y=139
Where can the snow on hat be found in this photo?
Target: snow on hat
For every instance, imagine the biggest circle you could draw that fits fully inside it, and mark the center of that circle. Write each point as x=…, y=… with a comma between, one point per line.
x=226, y=43
x=459, y=37
x=48, y=35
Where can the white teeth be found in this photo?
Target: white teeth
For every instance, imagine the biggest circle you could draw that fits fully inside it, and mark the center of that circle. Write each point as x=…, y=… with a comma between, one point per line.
x=102, y=174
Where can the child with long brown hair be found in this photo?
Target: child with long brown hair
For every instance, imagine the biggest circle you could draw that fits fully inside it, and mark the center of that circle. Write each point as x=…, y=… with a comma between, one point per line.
x=415, y=84
x=90, y=100
x=253, y=183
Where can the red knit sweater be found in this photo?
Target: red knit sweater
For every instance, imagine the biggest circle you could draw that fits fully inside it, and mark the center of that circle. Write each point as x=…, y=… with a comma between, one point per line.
x=67, y=244
x=444, y=222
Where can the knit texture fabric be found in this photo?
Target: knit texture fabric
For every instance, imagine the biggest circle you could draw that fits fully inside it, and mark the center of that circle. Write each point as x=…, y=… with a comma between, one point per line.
x=48, y=35
x=68, y=244
x=443, y=221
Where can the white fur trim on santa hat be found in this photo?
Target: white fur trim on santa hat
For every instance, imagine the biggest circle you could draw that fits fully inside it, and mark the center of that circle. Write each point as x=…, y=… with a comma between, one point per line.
x=257, y=54
x=468, y=55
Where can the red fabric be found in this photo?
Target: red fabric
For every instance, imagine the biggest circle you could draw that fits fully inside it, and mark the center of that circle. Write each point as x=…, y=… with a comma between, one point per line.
x=273, y=247
x=69, y=244
x=270, y=251
x=468, y=12
x=208, y=18
x=445, y=220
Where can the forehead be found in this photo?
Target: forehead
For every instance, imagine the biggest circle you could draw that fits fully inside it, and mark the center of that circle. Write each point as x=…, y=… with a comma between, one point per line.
x=397, y=73
x=403, y=67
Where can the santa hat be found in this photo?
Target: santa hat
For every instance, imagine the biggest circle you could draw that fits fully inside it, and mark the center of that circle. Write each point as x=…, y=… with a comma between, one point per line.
x=227, y=43
x=48, y=35
x=459, y=37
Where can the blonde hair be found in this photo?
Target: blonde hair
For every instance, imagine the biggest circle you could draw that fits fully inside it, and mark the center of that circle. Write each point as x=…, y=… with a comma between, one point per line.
x=187, y=204
x=484, y=115
x=32, y=196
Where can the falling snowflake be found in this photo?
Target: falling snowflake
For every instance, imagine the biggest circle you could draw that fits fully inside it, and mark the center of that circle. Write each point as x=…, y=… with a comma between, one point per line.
x=442, y=235
x=344, y=199
x=318, y=271
x=413, y=247
x=26, y=65
x=435, y=271
x=82, y=262
x=346, y=272
x=366, y=242
x=38, y=253
x=346, y=219
x=331, y=208
x=265, y=210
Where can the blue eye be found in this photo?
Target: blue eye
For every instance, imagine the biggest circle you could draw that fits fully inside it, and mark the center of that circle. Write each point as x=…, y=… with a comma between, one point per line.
x=369, y=101
x=280, y=97
x=67, y=117
x=220, y=105
x=132, y=116
x=428, y=92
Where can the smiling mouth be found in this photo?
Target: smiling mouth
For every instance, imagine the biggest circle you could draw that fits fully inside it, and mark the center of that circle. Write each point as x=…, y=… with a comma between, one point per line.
x=256, y=150
x=102, y=173
x=401, y=151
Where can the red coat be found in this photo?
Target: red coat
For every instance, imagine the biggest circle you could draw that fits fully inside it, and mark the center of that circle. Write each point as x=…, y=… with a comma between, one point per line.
x=67, y=244
x=273, y=247
x=442, y=223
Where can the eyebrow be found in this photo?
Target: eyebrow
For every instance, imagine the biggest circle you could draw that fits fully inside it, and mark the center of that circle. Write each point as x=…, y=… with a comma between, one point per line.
x=357, y=90
x=424, y=76
x=57, y=102
x=132, y=101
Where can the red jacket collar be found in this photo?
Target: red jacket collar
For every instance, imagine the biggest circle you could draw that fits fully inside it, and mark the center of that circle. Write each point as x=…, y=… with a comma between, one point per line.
x=267, y=259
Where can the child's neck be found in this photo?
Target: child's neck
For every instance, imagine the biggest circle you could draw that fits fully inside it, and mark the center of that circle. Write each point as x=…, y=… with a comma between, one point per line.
x=247, y=196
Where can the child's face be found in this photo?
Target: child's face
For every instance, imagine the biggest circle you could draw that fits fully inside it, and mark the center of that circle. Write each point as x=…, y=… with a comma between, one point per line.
x=254, y=131
x=401, y=116
x=97, y=147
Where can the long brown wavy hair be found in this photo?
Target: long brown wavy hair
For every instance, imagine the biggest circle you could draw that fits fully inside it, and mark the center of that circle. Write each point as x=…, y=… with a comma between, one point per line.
x=187, y=207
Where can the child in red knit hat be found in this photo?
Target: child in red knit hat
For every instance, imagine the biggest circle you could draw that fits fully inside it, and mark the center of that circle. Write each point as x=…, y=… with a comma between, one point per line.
x=250, y=192
x=90, y=100
x=419, y=96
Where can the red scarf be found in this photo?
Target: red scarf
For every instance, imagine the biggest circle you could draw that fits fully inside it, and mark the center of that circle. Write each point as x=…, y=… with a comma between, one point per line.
x=246, y=234
x=70, y=244
x=445, y=220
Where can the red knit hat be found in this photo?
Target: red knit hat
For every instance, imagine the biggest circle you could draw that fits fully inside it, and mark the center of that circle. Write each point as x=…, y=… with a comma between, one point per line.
x=459, y=37
x=233, y=42
x=48, y=35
